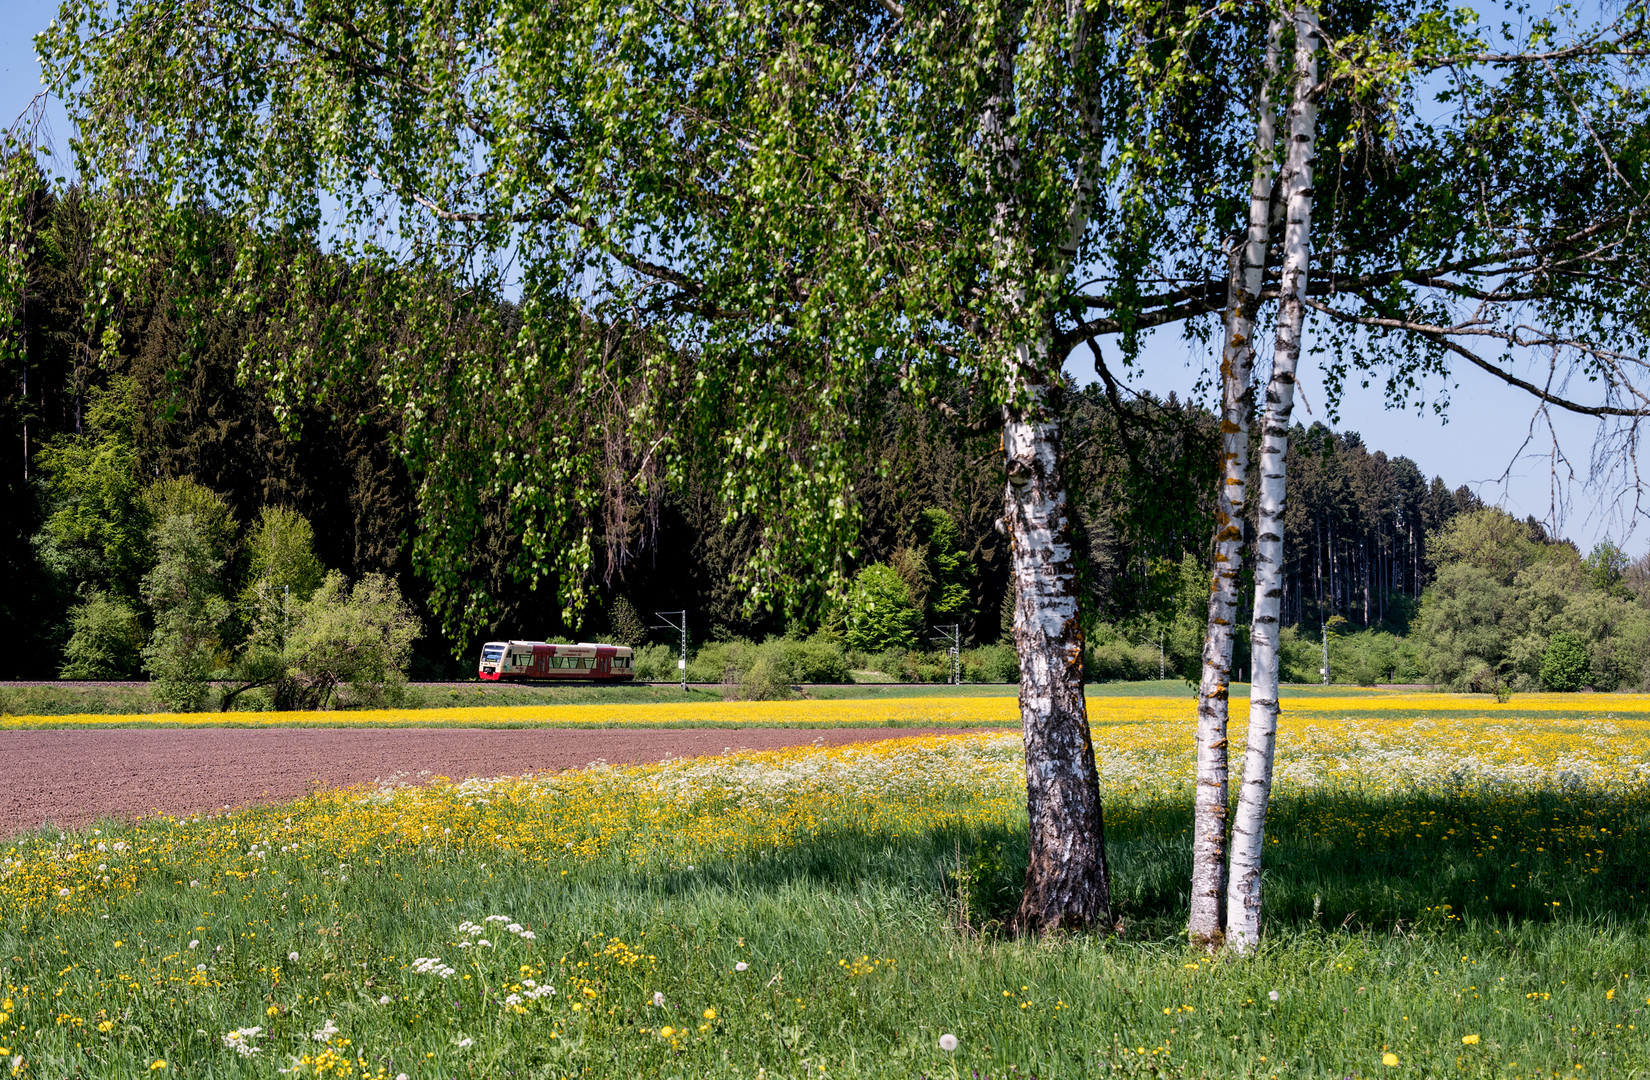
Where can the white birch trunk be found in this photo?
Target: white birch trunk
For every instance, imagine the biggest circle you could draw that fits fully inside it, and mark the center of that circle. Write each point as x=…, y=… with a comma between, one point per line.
x=1207, y=918
x=1067, y=886
x=1249, y=826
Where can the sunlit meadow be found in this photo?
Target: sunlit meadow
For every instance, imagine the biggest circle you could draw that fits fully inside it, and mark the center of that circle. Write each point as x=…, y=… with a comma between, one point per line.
x=1454, y=889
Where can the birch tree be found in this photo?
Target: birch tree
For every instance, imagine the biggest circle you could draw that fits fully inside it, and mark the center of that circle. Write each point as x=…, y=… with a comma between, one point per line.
x=723, y=229
x=1207, y=917
x=1243, y=895
x=1594, y=348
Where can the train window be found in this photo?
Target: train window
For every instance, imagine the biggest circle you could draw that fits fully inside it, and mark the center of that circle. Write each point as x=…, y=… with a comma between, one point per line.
x=492, y=652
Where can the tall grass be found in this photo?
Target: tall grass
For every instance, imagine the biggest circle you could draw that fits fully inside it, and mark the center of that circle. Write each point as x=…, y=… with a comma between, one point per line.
x=862, y=891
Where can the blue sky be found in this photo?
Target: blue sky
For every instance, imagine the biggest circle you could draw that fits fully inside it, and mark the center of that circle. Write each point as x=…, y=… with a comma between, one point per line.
x=1479, y=445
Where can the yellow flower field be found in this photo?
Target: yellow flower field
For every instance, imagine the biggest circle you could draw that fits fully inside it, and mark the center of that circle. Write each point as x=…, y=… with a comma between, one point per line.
x=688, y=810
x=959, y=712
x=673, y=916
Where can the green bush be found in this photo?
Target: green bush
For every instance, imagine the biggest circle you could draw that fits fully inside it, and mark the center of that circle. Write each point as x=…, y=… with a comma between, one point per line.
x=1565, y=665
x=349, y=647
x=991, y=664
x=1300, y=658
x=107, y=640
x=881, y=614
x=657, y=663
x=183, y=590
x=782, y=662
x=1112, y=659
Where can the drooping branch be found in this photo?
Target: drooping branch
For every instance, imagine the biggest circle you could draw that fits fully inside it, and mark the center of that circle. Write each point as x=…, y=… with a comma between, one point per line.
x=1443, y=336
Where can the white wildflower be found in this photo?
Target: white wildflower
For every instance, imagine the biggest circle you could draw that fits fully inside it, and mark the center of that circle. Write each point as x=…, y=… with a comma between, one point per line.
x=948, y=1042
x=240, y=1040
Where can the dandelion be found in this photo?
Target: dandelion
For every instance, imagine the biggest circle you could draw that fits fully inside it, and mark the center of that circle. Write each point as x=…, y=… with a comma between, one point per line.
x=195, y=944
x=710, y=1014
x=666, y=1032
x=1469, y=1040
x=292, y=956
x=1389, y=1059
x=160, y=1063
x=948, y=1042
x=105, y=1026
x=658, y=1000
x=741, y=966
x=65, y=892
x=383, y=999
x=1273, y=994
x=200, y=967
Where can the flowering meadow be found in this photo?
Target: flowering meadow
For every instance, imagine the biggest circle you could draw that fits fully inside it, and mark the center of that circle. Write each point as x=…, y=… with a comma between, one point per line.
x=1450, y=891
x=940, y=710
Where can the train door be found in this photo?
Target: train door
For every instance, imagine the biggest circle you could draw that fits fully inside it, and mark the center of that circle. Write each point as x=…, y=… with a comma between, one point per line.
x=604, y=666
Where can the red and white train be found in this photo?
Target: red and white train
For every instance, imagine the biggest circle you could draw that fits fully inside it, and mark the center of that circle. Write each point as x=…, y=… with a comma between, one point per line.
x=536, y=661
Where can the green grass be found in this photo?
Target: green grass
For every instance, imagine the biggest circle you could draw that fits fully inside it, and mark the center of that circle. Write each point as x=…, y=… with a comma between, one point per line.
x=1361, y=950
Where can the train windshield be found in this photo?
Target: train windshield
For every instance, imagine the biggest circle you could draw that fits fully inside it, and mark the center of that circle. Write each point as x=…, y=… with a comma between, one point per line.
x=491, y=652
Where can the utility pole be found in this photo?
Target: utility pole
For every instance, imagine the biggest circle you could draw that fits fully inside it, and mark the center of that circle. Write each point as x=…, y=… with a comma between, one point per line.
x=953, y=634
x=681, y=625
x=1162, y=667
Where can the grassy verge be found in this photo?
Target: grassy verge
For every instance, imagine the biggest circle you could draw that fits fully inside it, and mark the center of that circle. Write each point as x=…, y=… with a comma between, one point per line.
x=819, y=913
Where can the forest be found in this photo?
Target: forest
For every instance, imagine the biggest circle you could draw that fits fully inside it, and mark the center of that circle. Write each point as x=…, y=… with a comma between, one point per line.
x=106, y=439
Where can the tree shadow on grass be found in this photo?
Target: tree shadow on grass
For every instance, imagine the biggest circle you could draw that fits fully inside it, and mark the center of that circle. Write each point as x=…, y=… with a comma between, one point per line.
x=1333, y=860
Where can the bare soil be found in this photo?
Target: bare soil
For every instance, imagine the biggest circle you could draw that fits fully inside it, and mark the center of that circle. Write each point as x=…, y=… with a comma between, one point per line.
x=71, y=778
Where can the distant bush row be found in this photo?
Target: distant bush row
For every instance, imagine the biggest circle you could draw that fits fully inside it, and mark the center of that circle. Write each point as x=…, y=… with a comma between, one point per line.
x=764, y=670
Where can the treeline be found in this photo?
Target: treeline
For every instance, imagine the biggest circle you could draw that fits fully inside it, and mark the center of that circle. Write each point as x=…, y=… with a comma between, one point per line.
x=98, y=415
x=1512, y=609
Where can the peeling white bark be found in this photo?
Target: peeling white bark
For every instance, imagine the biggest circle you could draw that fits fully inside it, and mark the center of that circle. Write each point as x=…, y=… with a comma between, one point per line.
x=1067, y=885
x=1066, y=879
x=1207, y=918
x=1243, y=903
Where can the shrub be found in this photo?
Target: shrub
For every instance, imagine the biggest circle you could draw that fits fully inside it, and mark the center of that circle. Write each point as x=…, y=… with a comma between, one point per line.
x=182, y=590
x=765, y=679
x=1564, y=667
x=880, y=611
x=349, y=644
x=657, y=662
x=991, y=664
x=107, y=640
